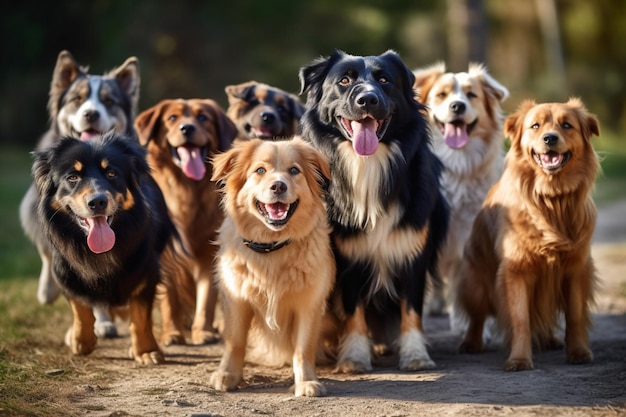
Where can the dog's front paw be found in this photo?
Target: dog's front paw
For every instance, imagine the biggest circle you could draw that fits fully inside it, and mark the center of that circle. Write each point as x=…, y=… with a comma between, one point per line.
x=349, y=366
x=82, y=344
x=416, y=364
x=309, y=389
x=173, y=338
x=224, y=380
x=154, y=357
x=579, y=356
x=518, y=364
x=205, y=337
x=105, y=329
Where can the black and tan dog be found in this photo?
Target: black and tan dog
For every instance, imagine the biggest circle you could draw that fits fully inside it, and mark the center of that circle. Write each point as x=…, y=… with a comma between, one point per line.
x=107, y=223
x=388, y=214
x=84, y=106
x=262, y=111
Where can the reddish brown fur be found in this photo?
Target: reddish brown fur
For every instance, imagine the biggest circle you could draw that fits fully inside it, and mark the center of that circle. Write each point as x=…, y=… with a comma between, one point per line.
x=193, y=207
x=529, y=257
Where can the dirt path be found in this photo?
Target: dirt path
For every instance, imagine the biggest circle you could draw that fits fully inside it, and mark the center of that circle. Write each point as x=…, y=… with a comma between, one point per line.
x=467, y=385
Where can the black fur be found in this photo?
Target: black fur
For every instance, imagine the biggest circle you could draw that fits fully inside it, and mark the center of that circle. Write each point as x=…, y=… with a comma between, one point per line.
x=142, y=229
x=379, y=86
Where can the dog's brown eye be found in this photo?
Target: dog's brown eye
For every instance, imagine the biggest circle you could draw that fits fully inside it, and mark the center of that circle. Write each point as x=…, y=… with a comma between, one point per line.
x=72, y=178
x=108, y=102
x=172, y=118
x=202, y=118
x=535, y=126
x=443, y=94
x=260, y=170
x=111, y=174
x=471, y=94
x=294, y=170
x=344, y=81
x=566, y=125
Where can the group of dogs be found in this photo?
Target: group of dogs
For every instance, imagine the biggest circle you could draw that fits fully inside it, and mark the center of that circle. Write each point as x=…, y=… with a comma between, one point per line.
x=324, y=230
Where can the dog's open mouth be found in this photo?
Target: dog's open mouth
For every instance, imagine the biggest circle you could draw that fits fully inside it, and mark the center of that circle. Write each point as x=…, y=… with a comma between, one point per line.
x=552, y=161
x=276, y=214
x=87, y=135
x=100, y=236
x=365, y=133
x=456, y=133
x=261, y=132
x=190, y=159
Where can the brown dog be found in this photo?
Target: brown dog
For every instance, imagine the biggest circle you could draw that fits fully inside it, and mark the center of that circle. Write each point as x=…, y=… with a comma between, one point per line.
x=528, y=257
x=262, y=111
x=275, y=264
x=181, y=136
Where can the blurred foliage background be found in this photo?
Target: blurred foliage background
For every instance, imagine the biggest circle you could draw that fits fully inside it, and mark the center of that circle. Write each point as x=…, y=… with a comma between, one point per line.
x=543, y=49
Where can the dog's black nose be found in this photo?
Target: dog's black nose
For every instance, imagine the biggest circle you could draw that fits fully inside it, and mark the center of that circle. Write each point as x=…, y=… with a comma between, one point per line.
x=92, y=116
x=366, y=99
x=187, y=129
x=457, y=107
x=278, y=187
x=268, y=117
x=550, y=139
x=98, y=203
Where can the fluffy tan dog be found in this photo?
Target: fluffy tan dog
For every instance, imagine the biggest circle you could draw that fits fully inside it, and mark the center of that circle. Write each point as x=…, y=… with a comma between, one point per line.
x=529, y=255
x=275, y=265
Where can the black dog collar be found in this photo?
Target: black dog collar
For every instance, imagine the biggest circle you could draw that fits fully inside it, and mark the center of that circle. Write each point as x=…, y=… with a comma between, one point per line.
x=265, y=247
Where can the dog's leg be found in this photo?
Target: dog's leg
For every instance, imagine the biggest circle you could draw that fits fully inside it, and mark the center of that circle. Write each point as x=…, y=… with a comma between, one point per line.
x=577, y=294
x=202, y=330
x=238, y=317
x=144, y=348
x=81, y=337
x=104, y=326
x=516, y=313
x=355, y=351
x=171, y=326
x=412, y=343
x=48, y=290
x=305, y=380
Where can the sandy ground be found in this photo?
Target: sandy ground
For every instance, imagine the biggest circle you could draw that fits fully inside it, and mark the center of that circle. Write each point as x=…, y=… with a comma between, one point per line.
x=467, y=385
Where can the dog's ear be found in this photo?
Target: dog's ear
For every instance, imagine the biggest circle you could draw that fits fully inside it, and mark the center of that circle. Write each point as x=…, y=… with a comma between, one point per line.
x=321, y=165
x=65, y=72
x=513, y=123
x=589, y=122
x=226, y=128
x=493, y=87
x=425, y=79
x=312, y=76
x=238, y=92
x=223, y=163
x=128, y=77
x=148, y=122
x=40, y=171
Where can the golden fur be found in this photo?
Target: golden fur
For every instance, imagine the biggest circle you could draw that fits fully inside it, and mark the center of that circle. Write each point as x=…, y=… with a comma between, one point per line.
x=278, y=295
x=529, y=254
x=466, y=120
x=166, y=129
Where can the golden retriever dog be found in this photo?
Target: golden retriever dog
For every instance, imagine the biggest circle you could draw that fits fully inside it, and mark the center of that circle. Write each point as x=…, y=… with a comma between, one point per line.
x=465, y=115
x=181, y=136
x=263, y=111
x=528, y=258
x=275, y=264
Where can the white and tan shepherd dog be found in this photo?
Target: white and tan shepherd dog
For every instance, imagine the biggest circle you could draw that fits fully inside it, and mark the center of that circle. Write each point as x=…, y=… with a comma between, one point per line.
x=466, y=125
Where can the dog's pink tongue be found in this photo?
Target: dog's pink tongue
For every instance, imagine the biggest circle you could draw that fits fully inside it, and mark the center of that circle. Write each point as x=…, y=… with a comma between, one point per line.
x=551, y=159
x=101, y=237
x=277, y=211
x=455, y=136
x=87, y=135
x=364, y=138
x=192, y=162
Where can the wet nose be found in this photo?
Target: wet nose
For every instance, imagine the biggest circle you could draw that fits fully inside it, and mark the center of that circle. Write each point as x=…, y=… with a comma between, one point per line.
x=268, y=117
x=278, y=187
x=457, y=107
x=550, y=139
x=97, y=203
x=187, y=129
x=92, y=116
x=366, y=99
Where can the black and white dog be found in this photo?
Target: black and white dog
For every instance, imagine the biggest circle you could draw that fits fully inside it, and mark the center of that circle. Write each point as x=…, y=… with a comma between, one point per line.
x=81, y=105
x=388, y=214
